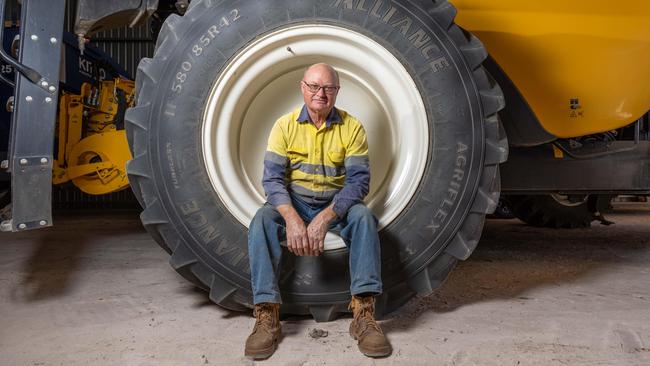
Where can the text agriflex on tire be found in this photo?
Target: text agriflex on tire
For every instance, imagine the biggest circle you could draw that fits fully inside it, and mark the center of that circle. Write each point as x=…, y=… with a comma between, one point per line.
x=226, y=70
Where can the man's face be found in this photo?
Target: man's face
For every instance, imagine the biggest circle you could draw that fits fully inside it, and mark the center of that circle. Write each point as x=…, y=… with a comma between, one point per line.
x=320, y=101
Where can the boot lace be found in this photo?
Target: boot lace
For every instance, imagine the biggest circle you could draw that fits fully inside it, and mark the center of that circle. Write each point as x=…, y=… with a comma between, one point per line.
x=264, y=315
x=364, y=315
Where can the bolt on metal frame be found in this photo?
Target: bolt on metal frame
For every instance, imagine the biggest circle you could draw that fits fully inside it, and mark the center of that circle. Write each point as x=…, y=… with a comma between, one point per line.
x=33, y=121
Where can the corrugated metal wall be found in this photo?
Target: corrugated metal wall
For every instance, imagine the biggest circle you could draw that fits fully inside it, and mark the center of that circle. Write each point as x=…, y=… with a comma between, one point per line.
x=127, y=46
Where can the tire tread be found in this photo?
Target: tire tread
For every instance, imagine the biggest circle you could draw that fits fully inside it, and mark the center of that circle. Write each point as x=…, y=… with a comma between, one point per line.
x=443, y=12
x=461, y=246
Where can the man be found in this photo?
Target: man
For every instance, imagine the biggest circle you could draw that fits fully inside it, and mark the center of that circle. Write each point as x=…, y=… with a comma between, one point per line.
x=316, y=175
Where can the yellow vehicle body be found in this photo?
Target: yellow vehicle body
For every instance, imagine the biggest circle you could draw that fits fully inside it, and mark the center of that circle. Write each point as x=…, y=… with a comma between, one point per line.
x=583, y=66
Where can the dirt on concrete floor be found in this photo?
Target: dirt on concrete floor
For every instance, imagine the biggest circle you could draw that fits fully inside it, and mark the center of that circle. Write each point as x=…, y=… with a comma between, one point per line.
x=96, y=290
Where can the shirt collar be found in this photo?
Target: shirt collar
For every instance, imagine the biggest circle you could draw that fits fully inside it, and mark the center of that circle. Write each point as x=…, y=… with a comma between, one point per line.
x=333, y=117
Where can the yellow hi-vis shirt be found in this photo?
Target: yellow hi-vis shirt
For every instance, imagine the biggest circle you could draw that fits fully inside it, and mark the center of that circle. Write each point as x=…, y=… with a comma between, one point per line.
x=323, y=165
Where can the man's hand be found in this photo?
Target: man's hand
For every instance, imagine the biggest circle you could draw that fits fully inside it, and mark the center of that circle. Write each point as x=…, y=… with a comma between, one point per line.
x=303, y=240
x=297, y=240
x=317, y=230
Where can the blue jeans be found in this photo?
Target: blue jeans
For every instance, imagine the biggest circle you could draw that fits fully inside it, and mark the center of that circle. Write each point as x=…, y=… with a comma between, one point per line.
x=359, y=232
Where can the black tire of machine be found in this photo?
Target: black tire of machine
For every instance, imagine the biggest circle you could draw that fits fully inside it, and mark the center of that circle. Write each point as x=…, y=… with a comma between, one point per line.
x=441, y=224
x=503, y=210
x=546, y=211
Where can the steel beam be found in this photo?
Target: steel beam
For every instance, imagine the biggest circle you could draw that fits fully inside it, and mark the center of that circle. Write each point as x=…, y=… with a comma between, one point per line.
x=33, y=121
x=541, y=170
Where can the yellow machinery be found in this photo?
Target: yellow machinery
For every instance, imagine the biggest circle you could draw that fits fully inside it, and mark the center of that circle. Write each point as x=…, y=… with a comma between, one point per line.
x=582, y=66
x=92, y=147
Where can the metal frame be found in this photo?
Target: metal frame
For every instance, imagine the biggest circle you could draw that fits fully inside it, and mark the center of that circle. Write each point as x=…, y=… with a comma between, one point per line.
x=543, y=170
x=33, y=120
x=31, y=74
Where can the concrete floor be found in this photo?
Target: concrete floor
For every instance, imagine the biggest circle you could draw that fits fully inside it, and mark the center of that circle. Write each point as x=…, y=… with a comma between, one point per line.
x=96, y=290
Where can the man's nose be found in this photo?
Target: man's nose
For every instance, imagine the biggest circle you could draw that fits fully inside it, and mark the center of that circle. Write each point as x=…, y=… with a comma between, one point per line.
x=321, y=92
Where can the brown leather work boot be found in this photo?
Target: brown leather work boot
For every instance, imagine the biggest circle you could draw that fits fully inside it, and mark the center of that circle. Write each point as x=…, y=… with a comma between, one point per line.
x=264, y=339
x=364, y=328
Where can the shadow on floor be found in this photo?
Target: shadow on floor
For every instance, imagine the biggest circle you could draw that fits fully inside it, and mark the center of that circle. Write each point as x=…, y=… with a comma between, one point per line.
x=50, y=269
x=59, y=251
x=512, y=259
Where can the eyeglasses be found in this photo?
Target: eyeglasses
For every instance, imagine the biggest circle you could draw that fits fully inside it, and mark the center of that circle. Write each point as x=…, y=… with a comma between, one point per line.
x=315, y=88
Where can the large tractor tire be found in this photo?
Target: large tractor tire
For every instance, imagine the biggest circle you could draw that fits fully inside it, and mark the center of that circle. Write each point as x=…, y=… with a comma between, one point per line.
x=558, y=211
x=226, y=70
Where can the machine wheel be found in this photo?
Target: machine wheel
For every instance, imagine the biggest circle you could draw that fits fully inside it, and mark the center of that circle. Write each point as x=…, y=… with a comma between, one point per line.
x=503, y=210
x=558, y=211
x=226, y=70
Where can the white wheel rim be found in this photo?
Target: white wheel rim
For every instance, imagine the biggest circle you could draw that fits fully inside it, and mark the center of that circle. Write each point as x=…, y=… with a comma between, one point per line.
x=261, y=83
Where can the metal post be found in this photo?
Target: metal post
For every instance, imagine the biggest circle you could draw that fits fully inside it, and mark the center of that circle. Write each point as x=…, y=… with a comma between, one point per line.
x=32, y=128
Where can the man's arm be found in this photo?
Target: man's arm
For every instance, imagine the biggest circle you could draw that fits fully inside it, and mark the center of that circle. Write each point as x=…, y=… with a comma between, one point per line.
x=273, y=181
x=357, y=174
x=356, y=187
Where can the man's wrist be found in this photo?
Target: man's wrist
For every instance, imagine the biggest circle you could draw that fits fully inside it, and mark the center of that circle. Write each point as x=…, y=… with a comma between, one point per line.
x=340, y=208
x=329, y=214
x=289, y=213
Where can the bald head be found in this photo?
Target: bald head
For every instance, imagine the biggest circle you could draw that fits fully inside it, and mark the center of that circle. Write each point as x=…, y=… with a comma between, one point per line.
x=322, y=69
